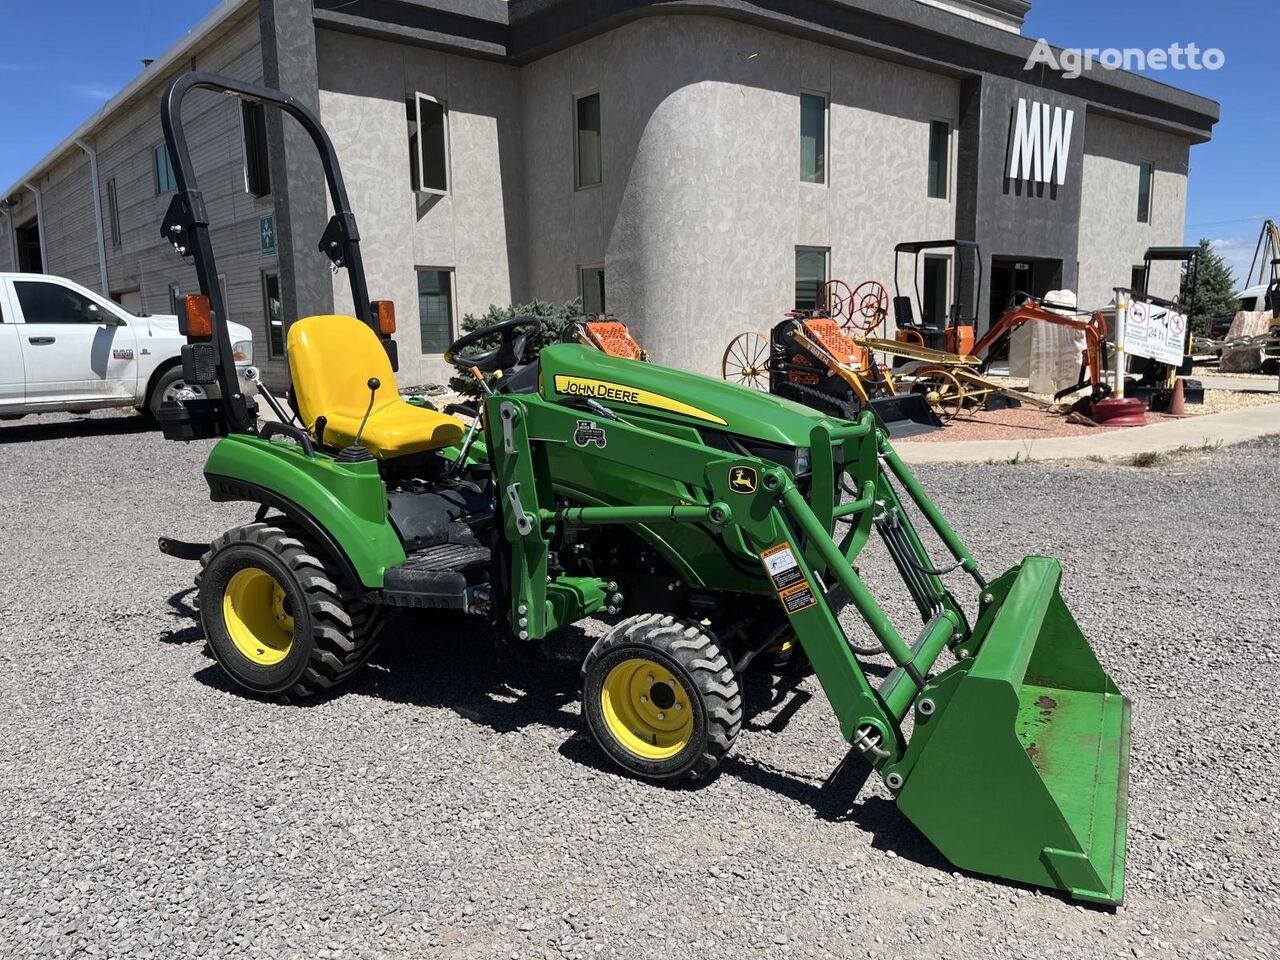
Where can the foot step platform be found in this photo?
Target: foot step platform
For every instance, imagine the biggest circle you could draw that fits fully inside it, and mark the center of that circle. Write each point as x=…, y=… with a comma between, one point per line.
x=437, y=577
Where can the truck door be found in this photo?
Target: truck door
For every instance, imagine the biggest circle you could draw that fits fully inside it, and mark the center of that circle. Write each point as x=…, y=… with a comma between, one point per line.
x=12, y=380
x=73, y=347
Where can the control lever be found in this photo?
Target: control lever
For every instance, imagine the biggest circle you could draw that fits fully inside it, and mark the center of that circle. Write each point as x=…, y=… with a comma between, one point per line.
x=356, y=453
x=373, y=385
x=475, y=425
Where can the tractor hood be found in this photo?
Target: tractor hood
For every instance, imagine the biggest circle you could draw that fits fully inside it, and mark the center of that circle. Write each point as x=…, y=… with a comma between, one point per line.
x=573, y=370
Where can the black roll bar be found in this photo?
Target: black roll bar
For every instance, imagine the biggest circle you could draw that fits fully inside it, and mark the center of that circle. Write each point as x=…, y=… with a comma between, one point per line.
x=917, y=247
x=186, y=225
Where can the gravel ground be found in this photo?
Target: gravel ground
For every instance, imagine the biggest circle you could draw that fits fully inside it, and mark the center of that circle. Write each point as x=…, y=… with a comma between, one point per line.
x=446, y=804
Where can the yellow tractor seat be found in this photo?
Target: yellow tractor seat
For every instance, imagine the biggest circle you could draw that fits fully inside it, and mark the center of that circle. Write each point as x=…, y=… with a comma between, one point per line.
x=331, y=359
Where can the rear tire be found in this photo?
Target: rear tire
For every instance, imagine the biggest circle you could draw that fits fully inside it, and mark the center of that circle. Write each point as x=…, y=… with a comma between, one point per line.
x=659, y=697
x=278, y=617
x=167, y=383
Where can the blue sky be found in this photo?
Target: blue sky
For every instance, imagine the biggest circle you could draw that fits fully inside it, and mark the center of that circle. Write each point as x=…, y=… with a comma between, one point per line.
x=64, y=59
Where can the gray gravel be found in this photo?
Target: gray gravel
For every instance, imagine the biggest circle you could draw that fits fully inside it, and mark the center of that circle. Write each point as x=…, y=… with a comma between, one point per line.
x=447, y=804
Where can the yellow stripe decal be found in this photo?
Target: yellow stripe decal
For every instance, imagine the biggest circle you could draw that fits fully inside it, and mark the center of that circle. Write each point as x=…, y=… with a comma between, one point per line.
x=621, y=393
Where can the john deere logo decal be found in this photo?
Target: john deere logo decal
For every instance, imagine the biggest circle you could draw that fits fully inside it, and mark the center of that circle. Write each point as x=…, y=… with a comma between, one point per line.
x=743, y=479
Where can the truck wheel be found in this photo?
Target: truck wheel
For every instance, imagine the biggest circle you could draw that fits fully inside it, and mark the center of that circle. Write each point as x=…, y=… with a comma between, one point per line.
x=660, y=699
x=279, y=619
x=166, y=387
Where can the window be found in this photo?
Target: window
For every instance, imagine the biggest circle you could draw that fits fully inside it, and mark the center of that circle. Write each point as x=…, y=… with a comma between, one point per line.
x=591, y=289
x=428, y=144
x=813, y=138
x=257, y=170
x=939, y=159
x=113, y=212
x=1138, y=279
x=435, y=309
x=1248, y=304
x=587, y=144
x=43, y=302
x=273, y=310
x=811, y=274
x=936, y=294
x=165, y=180
x=1146, y=174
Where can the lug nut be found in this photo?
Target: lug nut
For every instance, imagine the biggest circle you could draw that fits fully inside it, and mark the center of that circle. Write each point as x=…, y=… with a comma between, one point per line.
x=661, y=715
x=643, y=698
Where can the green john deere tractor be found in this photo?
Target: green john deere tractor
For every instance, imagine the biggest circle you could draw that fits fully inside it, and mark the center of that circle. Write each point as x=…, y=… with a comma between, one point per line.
x=701, y=518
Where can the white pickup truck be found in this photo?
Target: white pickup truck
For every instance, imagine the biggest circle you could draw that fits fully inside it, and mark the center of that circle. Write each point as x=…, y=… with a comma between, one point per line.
x=63, y=347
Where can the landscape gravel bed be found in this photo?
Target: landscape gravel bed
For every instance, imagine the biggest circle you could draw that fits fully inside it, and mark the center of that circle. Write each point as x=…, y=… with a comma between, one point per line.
x=447, y=803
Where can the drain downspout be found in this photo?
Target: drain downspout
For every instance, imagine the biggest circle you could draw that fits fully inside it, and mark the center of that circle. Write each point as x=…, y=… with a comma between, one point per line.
x=11, y=236
x=44, y=253
x=97, y=215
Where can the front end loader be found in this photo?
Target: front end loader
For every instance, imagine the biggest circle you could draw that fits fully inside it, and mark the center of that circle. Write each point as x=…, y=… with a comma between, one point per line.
x=695, y=517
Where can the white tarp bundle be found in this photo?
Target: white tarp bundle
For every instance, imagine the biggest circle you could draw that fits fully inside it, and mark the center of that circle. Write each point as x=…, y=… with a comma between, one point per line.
x=1055, y=350
x=1248, y=323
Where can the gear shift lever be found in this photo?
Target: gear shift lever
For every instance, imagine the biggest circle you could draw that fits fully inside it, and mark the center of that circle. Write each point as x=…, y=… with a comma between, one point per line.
x=355, y=452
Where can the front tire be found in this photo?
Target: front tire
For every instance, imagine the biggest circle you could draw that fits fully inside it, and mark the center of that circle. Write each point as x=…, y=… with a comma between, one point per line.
x=167, y=387
x=659, y=697
x=279, y=619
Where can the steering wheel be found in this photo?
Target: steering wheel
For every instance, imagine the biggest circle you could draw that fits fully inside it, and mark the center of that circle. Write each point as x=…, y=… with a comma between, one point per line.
x=515, y=333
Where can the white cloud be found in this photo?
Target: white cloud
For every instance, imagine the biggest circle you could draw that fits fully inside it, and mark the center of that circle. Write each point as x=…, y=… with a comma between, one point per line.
x=1238, y=252
x=92, y=91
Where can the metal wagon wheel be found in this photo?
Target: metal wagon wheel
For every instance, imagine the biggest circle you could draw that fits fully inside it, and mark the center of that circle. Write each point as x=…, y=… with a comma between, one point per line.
x=836, y=300
x=944, y=392
x=746, y=361
x=869, y=307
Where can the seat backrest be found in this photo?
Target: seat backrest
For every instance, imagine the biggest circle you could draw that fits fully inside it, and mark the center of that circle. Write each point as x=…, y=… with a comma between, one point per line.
x=331, y=359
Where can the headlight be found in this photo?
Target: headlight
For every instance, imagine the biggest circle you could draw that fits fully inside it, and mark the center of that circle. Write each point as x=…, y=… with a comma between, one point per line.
x=802, y=462
x=242, y=351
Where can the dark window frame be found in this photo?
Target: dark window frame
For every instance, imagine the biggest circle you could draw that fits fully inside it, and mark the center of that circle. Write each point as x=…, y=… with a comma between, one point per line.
x=939, y=165
x=272, y=352
x=165, y=180
x=594, y=177
x=437, y=181
x=1146, y=191
x=825, y=253
x=257, y=160
x=583, y=270
x=819, y=175
x=451, y=295
x=929, y=304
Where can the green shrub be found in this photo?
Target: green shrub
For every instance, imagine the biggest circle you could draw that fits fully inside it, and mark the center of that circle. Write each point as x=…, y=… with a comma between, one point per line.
x=554, y=321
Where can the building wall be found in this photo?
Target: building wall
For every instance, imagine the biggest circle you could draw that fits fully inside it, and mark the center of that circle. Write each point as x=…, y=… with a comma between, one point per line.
x=1112, y=241
x=477, y=229
x=143, y=261
x=701, y=205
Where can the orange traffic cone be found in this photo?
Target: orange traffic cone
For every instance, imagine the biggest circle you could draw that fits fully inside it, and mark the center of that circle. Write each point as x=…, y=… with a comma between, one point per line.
x=1178, y=402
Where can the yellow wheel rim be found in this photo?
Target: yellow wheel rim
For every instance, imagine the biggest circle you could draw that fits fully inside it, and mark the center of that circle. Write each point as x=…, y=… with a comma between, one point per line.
x=647, y=710
x=254, y=610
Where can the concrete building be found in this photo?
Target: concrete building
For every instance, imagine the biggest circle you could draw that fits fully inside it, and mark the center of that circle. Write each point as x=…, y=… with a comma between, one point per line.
x=692, y=168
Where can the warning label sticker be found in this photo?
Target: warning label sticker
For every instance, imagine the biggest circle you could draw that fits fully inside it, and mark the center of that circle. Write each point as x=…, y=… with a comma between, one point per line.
x=782, y=566
x=793, y=589
x=797, y=598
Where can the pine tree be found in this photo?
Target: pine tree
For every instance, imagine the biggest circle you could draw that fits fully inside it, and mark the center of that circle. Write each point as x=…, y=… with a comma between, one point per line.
x=1215, y=289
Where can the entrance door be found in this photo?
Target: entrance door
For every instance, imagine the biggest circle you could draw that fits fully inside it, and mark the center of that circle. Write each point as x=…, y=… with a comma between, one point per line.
x=1008, y=279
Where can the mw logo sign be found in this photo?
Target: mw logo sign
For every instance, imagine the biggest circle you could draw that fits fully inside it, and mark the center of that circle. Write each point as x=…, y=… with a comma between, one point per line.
x=1040, y=143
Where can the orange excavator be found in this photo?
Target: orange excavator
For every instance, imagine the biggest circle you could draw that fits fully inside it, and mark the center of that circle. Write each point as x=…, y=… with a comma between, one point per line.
x=962, y=347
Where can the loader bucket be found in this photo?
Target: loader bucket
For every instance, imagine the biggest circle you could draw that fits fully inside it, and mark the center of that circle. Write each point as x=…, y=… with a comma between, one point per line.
x=905, y=415
x=1022, y=753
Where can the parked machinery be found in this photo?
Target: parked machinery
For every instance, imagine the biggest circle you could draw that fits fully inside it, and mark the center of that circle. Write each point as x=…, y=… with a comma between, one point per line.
x=815, y=357
x=694, y=517
x=1155, y=379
